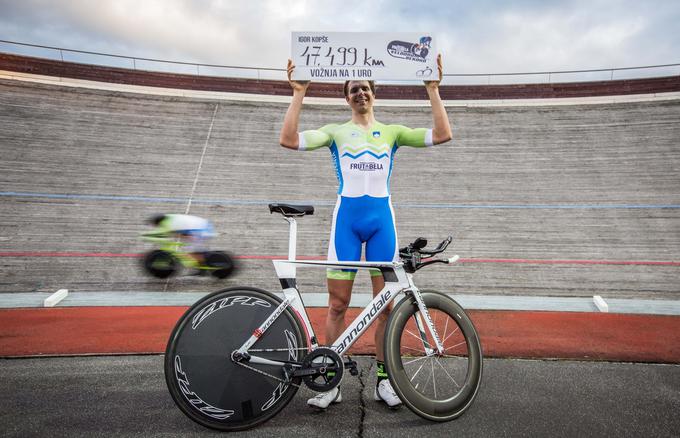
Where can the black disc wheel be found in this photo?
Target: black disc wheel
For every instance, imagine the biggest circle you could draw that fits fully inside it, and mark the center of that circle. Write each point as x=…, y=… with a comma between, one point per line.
x=222, y=264
x=160, y=264
x=437, y=386
x=204, y=379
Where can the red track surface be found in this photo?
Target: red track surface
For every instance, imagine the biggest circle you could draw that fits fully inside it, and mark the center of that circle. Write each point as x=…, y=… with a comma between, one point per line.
x=569, y=335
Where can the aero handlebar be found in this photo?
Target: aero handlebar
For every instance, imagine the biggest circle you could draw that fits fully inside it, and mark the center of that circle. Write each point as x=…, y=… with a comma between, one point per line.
x=412, y=255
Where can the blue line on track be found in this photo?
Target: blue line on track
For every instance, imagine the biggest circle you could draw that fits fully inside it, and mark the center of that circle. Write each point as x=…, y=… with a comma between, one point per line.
x=329, y=203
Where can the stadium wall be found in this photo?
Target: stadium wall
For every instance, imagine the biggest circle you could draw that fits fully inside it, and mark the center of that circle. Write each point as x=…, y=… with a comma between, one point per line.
x=48, y=67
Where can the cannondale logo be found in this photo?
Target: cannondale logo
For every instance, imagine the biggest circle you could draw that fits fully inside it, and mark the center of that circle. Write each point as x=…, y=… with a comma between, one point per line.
x=364, y=322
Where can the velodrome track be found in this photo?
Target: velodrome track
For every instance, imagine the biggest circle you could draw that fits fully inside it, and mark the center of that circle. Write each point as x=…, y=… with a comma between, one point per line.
x=562, y=201
x=549, y=205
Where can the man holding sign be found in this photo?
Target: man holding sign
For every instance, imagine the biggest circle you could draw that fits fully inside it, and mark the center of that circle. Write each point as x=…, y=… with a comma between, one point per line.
x=362, y=151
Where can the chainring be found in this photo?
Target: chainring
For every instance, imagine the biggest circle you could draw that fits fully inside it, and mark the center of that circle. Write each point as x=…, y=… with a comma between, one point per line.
x=328, y=367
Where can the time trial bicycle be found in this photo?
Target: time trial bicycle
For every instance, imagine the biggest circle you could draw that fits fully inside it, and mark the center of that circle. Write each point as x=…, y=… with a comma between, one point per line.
x=239, y=355
x=166, y=260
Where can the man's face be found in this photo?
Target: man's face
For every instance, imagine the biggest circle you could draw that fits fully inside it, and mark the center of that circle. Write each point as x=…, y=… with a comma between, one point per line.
x=360, y=97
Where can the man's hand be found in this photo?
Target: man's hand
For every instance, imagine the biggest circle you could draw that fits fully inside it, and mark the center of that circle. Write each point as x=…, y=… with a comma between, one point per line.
x=296, y=85
x=434, y=85
x=441, y=131
x=289, y=131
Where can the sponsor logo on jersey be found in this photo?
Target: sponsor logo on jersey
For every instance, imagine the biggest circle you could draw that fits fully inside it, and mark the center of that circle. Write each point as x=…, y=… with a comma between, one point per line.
x=365, y=166
x=376, y=134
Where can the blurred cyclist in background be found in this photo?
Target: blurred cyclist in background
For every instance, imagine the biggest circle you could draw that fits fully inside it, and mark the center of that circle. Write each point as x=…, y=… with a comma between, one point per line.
x=193, y=231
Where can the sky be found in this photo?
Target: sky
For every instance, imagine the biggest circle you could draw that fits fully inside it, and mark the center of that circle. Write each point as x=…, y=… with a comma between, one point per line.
x=474, y=36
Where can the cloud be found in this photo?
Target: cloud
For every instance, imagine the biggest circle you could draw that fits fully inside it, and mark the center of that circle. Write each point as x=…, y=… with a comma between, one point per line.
x=481, y=36
x=559, y=40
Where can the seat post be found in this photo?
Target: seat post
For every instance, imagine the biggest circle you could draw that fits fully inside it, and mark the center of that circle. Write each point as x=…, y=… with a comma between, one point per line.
x=292, y=237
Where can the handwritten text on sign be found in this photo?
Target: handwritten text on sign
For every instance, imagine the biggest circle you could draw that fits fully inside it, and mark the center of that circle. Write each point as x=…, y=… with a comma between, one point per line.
x=340, y=56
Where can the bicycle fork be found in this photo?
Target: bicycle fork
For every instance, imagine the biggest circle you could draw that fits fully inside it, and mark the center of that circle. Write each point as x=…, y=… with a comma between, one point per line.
x=421, y=325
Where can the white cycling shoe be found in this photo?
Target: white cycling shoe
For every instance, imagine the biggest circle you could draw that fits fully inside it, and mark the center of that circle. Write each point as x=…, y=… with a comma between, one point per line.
x=385, y=392
x=324, y=399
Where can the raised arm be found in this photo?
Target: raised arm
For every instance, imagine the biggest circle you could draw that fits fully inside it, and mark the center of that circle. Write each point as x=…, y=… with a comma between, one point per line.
x=289, y=132
x=441, y=131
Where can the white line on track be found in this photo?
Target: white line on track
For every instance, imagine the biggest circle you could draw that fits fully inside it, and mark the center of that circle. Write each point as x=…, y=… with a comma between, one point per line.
x=200, y=163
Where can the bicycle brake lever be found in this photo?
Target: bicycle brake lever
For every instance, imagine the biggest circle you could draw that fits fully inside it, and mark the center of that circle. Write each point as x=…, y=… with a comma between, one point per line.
x=445, y=243
x=439, y=249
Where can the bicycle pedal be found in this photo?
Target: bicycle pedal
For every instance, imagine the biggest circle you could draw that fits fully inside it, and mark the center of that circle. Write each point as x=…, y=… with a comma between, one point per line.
x=351, y=365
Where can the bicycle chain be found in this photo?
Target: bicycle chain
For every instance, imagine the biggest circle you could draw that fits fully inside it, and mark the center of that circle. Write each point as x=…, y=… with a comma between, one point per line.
x=269, y=350
x=268, y=375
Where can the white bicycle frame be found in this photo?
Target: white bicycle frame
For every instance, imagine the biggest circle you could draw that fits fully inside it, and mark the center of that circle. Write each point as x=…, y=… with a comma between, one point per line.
x=397, y=280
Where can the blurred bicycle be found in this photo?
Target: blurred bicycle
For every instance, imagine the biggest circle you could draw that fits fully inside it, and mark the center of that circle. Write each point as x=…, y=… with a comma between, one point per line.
x=182, y=241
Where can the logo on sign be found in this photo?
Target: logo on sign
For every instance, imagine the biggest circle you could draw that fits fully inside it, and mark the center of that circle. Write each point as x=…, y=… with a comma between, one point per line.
x=411, y=51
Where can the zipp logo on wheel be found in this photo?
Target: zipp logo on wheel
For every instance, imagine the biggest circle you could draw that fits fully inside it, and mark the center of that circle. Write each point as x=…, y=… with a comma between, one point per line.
x=195, y=400
x=223, y=303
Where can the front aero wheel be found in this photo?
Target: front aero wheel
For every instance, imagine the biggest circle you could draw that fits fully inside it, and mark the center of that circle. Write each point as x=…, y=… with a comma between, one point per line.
x=204, y=381
x=439, y=387
x=221, y=264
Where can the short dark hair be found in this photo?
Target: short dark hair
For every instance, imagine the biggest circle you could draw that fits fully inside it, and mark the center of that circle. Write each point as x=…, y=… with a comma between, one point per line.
x=345, y=88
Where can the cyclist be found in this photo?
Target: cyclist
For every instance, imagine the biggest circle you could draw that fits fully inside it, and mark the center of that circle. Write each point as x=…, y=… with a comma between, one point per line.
x=362, y=150
x=193, y=231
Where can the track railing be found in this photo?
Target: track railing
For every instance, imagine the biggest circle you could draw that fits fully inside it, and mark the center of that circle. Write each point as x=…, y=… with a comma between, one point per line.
x=232, y=71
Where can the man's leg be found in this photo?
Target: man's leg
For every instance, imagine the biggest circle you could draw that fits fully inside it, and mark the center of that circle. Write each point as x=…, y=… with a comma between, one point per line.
x=196, y=247
x=339, y=294
x=383, y=387
x=383, y=246
x=191, y=247
x=378, y=285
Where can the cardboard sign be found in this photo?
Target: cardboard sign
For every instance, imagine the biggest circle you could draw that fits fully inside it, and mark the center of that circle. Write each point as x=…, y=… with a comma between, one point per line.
x=341, y=56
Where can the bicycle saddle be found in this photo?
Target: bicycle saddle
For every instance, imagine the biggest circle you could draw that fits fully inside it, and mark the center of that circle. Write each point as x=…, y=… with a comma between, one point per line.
x=289, y=210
